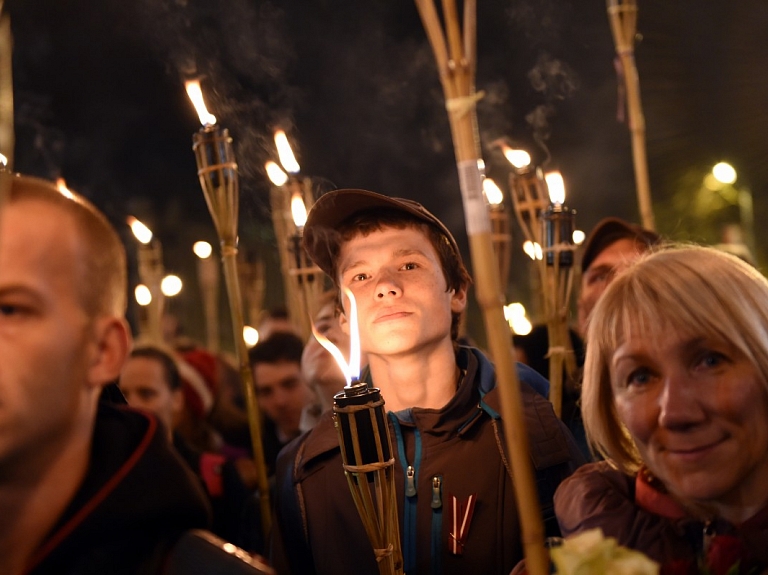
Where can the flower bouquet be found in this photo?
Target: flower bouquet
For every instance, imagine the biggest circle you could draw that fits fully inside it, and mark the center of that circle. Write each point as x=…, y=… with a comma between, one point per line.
x=590, y=553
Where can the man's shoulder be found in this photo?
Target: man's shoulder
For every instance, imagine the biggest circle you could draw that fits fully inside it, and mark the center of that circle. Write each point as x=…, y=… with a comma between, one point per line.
x=550, y=441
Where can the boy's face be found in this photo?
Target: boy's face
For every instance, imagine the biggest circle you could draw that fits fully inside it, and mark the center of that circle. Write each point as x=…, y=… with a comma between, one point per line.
x=402, y=298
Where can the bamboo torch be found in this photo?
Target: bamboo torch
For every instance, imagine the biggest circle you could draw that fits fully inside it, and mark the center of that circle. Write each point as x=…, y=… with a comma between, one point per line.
x=217, y=170
x=557, y=223
x=6, y=107
x=623, y=18
x=456, y=65
x=290, y=199
x=501, y=236
x=546, y=222
x=366, y=452
x=6, y=93
x=151, y=272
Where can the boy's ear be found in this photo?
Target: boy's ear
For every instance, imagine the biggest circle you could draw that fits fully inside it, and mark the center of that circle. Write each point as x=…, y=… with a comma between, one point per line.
x=459, y=300
x=110, y=347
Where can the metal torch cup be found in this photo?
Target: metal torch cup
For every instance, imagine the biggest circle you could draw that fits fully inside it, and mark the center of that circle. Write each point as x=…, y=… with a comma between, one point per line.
x=366, y=452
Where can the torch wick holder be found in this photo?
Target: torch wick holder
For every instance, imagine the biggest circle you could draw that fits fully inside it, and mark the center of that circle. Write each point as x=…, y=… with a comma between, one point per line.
x=366, y=453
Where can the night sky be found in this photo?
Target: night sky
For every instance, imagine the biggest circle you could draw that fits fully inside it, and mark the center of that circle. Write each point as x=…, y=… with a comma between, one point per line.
x=100, y=101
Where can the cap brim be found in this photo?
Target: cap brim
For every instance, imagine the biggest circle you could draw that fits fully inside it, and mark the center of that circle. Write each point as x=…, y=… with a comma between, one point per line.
x=609, y=230
x=334, y=208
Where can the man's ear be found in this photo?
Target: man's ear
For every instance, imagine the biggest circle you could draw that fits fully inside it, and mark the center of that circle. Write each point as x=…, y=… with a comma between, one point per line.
x=459, y=300
x=111, y=345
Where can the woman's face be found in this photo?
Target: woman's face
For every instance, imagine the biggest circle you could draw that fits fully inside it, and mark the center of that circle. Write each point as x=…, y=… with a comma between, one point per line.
x=698, y=413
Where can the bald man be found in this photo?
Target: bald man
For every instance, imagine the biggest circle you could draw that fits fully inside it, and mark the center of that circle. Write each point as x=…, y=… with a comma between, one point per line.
x=85, y=486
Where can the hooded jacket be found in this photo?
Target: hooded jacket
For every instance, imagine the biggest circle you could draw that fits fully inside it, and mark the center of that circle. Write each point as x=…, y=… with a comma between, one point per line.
x=135, y=502
x=451, y=454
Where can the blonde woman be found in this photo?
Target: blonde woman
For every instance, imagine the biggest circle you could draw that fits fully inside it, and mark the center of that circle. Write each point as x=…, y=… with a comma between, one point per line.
x=675, y=400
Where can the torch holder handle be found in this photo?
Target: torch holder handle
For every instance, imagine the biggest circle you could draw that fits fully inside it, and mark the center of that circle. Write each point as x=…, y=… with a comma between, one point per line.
x=366, y=453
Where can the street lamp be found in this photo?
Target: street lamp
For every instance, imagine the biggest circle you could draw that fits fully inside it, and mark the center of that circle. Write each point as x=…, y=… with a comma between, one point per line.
x=721, y=180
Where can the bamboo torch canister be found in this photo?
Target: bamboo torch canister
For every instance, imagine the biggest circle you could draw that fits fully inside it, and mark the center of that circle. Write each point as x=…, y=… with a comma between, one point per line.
x=366, y=452
x=217, y=171
x=456, y=65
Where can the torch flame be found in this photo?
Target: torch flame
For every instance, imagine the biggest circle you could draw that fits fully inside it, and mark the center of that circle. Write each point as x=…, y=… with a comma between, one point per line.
x=518, y=158
x=195, y=94
x=276, y=175
x=350, y=370
x=287, y=159
x=298, y=210
x=556, y=186
x=142, y=232
x=61, y=185
x=493, y=194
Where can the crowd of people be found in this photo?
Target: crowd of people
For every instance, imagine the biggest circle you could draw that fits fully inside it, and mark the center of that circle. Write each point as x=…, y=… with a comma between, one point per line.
x=122, y=457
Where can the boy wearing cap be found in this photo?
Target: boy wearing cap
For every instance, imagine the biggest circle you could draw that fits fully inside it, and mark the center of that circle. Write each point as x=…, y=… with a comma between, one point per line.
x=454, y=491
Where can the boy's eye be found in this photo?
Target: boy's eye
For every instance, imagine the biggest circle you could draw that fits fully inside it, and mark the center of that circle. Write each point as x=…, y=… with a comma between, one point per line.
x=8, y=309
x=359, y=277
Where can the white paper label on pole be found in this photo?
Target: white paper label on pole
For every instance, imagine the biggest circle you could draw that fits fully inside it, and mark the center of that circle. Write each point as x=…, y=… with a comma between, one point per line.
x=475, y=210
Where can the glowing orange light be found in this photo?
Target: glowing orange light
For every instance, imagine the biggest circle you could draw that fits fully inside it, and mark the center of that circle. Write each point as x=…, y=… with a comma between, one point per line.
x=195, y=94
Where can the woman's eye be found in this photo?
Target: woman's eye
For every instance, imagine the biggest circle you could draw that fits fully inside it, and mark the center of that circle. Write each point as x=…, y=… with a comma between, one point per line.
x=409, y=266
x=639, y=377
x=712, y=359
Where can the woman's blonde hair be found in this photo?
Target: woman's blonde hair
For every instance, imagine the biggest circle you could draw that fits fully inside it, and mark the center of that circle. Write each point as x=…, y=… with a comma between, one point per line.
x=695, y=289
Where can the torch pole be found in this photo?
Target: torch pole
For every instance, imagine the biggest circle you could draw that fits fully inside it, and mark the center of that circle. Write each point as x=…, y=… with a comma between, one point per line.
x=217, y=172
x=623, y=18
x=457, y=75
x=6, y=92
x=6, y=106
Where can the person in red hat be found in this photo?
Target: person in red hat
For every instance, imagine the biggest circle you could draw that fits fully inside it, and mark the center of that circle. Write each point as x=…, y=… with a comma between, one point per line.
x=454, y=491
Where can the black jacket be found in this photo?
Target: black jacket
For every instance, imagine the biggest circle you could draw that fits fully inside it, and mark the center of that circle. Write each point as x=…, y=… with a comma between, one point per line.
x=137, y=498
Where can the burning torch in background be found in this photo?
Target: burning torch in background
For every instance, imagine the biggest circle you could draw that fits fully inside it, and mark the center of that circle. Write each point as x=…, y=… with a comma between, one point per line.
x=290, y=198
x=217, y=171
x=151, y=273
x=501, y=235
x=366, y=451
x=548, y=225
x=557, y=232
